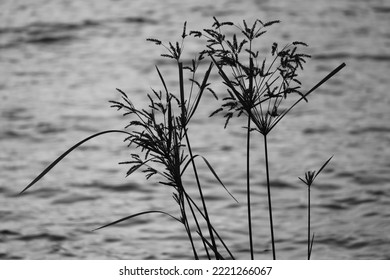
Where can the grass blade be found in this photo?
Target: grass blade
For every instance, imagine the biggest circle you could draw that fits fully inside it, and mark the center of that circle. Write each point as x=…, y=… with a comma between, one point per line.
x=61, y=157
x=202, y=88
x=188, y=163
x=136, y=215
x=197, y=225
x=311, y=246
x=331, y=74
x=216, y=177
x=207, y=218
x=322, y=167
x=302, y=180
x=214, y=230
x=162, y=80
x=219, y=256
x=182, y=100
x=227, y=81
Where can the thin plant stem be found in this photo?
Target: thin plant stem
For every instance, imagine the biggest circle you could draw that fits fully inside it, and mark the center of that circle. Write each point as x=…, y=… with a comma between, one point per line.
x=308, y=224
x=181, y=84
x=198, y=226
x=183, y=119
x=214, y=230
x=269, y=198
x=186, y=225
x=248, y=152
x=201, y=194
x=310, y=176
x=248, y=191
x=185, y=222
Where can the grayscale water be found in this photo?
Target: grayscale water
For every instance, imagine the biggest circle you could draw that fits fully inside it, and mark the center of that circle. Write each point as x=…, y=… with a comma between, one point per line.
x=60, y=62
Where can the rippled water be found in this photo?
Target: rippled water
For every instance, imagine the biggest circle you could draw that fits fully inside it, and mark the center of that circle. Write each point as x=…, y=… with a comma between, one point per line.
x=61, y=62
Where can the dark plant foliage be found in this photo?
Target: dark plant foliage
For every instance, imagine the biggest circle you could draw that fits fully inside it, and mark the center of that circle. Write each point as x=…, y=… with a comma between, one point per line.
x=161, y=135
x=257, y=85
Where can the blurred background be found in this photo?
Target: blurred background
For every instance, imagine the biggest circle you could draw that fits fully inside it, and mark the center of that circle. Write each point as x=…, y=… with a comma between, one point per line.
x=60, y=62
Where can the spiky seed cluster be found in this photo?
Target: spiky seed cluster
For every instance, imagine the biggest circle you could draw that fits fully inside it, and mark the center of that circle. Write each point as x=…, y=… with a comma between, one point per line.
x=158, y=133
x=251, y=81
x=174, y=49
x=310, y=176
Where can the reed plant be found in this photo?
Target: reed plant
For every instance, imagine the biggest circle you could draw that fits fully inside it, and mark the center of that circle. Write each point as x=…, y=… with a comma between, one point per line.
x=256, y=88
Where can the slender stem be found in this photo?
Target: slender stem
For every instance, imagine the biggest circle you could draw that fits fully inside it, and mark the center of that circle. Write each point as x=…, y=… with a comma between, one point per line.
x=198, y=226
x=215, y=232
x=248, y=193
x=185, y=222
x=308, y=224
x=269, y=198
x=183, y=120
x=201, y=194
x=250, y=97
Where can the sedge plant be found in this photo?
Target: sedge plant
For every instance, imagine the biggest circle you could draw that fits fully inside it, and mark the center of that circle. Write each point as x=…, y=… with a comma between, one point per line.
x=158, y=137
x=310, y=176
x=159, y=134
x=257, y=87
x=188, y=108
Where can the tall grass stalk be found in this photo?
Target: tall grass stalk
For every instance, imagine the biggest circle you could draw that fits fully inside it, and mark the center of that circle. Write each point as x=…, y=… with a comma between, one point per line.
x=310, y=176
x=250, y=86
x=186, y=109
x=269, y=198
x=250, y=93
x=248, y=188
x=184, y=121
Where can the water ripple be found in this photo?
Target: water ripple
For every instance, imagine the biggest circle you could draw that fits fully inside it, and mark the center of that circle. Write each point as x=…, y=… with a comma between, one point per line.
x=280, y=184
x=381, y=9
x=369, y=129
x=74, y=199
x=49, y=33
x=112, y=188
x=45, y=236
x=353, y=201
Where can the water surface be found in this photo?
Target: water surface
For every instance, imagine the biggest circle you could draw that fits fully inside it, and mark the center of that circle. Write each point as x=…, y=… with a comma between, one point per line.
x=60, y=64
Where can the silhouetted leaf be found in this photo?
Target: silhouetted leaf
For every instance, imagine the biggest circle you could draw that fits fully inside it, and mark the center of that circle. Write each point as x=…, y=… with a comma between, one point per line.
x=136, y=215
x=61, y=157
x=322, y=167
x=218, y=179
